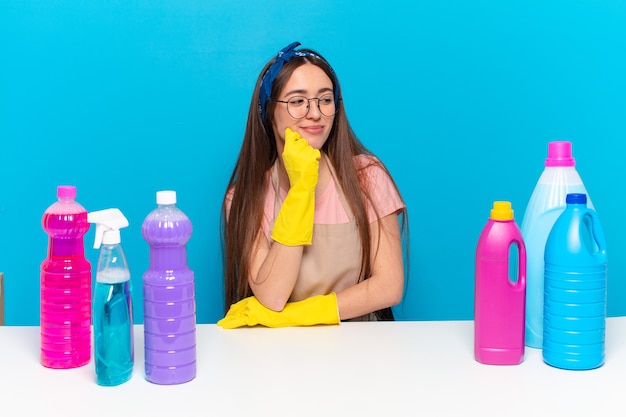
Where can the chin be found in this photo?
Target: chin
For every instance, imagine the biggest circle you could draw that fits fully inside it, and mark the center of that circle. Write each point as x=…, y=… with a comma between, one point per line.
x=316, y=142
x=316, y=145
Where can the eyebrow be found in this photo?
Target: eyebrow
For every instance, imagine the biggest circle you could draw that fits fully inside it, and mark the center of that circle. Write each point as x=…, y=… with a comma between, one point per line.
x=301, y=91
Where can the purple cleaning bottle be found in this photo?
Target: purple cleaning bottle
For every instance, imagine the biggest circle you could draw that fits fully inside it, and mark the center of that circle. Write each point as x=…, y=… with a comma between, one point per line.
x=65, y=293
x=500, y=290
x=169, y=295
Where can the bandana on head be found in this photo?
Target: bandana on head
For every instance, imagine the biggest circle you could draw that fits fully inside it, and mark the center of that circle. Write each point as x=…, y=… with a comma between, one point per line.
x=284, y=55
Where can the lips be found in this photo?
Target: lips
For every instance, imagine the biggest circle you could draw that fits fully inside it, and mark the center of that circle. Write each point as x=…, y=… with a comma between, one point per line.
x=314, y=130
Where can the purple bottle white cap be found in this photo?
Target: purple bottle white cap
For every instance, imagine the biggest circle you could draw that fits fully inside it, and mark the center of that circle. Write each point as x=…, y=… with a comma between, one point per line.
x=66, y=191
x=560, y=154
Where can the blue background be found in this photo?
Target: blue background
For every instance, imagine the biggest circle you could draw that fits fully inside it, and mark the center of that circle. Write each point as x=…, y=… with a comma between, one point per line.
x=460, y=99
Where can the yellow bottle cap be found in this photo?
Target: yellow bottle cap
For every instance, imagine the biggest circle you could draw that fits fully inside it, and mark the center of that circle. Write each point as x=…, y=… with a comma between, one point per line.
x=502, y=210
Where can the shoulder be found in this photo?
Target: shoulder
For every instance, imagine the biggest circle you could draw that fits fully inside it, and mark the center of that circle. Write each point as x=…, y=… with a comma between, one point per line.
x=230, y=193
x=228, y=201
x=363, y=161
x=382, y=194
x=371, y=171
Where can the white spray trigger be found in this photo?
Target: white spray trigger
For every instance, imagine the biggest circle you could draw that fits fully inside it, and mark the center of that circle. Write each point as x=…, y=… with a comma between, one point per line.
x=108, y=224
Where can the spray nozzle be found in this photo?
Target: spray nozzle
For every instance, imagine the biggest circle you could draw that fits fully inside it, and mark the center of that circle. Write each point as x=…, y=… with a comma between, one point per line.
x=108, y=224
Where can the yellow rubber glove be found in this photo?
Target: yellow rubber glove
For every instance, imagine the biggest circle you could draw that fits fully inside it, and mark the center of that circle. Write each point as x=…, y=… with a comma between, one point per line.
x=319, y=309
x=294, y=223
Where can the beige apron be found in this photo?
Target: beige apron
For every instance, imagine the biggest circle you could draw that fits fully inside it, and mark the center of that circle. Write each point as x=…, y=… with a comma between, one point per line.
x=333, y=260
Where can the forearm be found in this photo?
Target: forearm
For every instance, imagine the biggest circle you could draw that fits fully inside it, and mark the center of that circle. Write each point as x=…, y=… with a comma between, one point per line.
x=368, y=296
x=275, y=269
x=276, y=275
x=384, y=288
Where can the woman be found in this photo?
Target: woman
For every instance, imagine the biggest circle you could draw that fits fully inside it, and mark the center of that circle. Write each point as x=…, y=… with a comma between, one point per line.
x=312, y=221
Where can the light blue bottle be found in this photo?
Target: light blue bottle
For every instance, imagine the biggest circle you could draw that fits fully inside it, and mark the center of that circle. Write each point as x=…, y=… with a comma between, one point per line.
x=112, y=302
x=546, y=203
x=575, y=289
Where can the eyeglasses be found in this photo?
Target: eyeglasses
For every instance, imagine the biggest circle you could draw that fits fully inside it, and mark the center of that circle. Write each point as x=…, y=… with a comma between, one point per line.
x=298, y=107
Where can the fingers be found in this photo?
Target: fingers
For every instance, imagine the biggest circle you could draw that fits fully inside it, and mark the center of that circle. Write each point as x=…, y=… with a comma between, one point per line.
x=234, y=319
x=232, y=322
x=236, y=315
x=240, y=314
x=238, y=307
x=297, y=145
x=291, y=136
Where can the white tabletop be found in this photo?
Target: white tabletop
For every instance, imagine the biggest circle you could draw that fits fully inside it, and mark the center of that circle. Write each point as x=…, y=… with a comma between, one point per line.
x=383, y=369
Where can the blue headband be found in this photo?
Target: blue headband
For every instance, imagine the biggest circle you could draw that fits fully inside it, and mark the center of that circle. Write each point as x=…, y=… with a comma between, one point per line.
x=284, y=55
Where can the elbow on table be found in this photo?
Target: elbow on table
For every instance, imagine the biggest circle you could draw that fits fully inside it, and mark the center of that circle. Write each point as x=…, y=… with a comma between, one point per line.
x=274, y=303
x=395, y=297
x=396, y=292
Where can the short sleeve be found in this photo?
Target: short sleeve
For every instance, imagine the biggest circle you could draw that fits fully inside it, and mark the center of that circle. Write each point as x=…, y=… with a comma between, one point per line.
x=385, y=199
x=268, y=206
x=228, y=201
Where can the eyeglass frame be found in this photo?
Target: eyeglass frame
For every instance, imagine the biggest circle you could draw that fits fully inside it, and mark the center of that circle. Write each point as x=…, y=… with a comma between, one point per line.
x=308, y=105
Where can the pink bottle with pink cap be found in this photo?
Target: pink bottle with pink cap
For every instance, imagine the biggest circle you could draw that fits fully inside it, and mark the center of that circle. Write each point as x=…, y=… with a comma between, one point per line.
x=65, y=294
x=500, y=290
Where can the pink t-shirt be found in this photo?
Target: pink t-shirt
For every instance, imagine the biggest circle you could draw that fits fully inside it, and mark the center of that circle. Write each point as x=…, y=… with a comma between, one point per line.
x=328, y=206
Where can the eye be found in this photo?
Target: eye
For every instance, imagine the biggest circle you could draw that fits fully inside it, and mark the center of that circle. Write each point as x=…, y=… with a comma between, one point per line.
x=297, y=101
x=326, y=100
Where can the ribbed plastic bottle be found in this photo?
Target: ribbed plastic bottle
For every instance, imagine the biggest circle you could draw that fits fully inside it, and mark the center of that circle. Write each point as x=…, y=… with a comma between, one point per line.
x=575, y=289
x=546, y=203
x=65, y=288
x=500, y=290
x=112, y=302
x=169, y=295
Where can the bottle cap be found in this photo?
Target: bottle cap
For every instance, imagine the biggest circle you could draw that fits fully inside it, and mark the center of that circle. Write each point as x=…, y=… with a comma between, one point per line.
x=576, y=198
x=111, y=237
x=560, y=154
x=501, y=211
x=66, y=191
x=166, y=197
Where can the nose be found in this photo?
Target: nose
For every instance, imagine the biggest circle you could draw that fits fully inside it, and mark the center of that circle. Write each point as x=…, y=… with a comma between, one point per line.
x=314, y=109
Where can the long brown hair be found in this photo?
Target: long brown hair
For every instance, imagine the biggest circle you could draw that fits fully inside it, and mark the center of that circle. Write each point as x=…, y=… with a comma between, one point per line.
x=258, y=154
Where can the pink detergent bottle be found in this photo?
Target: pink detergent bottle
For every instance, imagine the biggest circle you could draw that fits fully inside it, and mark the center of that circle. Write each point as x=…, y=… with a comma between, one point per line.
x=65, y=305
x=500, y=290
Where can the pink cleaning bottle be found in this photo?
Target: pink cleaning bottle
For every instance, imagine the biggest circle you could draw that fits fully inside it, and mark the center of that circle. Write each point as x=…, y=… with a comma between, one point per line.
x=65, y=305
x=500, y=290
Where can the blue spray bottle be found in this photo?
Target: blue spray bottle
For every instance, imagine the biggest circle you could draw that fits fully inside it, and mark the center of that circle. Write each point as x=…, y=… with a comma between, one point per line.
x=112, y=301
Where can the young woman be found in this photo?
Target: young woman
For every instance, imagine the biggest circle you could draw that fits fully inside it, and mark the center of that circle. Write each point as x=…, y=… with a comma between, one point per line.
x=313, y=224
